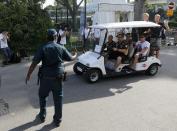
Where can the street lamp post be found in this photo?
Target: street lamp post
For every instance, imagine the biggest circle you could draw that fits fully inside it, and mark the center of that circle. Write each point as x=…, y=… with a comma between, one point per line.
x=85, y=13
x=67, y=14
x=56, y=13
x=85, y=20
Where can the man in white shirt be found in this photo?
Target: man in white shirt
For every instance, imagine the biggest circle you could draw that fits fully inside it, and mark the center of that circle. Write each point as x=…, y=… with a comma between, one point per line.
x=63, y=34
x=142, y=49
x=4, y=46
x=85, y=34
x=97, y=34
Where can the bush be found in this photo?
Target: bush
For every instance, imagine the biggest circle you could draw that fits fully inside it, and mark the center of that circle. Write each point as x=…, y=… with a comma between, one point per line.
x=172, y=24
x=26, y=22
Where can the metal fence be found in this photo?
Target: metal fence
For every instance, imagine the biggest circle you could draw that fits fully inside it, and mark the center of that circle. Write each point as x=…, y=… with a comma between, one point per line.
x=171, y=37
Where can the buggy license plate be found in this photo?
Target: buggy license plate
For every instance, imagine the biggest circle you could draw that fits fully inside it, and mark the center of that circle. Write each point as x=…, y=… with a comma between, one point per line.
x=79, y=69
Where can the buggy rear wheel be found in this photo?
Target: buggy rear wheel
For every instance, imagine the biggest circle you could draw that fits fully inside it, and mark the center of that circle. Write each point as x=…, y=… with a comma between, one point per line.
x=152, y=70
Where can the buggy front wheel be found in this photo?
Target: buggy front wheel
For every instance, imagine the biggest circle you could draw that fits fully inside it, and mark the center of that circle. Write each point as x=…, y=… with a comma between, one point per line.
x=93, y=75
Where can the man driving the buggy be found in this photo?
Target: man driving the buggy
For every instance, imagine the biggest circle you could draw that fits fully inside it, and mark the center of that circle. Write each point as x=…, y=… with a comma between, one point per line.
x=109, y=45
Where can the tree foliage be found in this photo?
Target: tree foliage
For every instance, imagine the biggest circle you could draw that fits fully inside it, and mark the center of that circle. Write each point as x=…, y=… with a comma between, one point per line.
x=153, y=10
x=26, y=22
x=173, y=20
x=73, y=7
x=174, y=17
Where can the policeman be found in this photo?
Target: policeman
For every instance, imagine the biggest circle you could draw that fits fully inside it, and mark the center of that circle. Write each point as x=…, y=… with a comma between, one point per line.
x=52, y=55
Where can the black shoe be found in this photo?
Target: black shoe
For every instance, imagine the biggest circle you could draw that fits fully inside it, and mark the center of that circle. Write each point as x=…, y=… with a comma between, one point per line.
x=56, y=123
x=41, y=117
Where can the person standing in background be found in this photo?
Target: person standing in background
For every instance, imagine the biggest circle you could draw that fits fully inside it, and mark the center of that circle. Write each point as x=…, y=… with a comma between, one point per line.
x=4, y=47
x=146, y=31
x=96, y=35
x=85, y=34
x=63, y=32
x=156, y=35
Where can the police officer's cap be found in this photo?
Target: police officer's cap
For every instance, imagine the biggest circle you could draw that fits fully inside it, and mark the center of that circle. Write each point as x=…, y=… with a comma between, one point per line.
x=51, y=32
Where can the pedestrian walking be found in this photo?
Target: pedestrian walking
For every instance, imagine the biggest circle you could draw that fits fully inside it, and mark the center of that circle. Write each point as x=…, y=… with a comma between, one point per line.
x=52, y=55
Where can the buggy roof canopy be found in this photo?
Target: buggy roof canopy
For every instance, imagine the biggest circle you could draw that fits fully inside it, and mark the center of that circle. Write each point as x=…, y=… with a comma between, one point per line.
x=130, y=24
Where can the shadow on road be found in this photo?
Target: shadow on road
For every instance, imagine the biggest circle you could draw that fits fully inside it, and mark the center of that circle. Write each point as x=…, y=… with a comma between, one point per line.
x=33, y=123
x=47, y=127
x=76, y=89
x=26, y=126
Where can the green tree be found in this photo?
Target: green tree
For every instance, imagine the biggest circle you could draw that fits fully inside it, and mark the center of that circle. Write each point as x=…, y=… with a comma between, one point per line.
x=73, y=7
x=173, y=20
x=174, y=17
x=26, y=22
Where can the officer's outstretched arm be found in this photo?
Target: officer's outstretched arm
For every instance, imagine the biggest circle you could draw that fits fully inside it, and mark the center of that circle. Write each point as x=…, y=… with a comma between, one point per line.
x=30, y=71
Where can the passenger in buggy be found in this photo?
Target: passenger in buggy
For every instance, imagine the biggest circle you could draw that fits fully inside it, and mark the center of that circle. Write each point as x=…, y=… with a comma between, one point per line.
x=121, y=50
x=142, y=48
x=117, y=52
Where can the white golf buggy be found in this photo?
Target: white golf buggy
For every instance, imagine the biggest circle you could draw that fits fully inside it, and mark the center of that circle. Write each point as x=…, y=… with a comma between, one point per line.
x=93, y=64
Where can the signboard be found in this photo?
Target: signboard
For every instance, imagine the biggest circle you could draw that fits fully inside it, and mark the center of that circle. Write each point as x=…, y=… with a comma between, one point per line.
x=169, y=12
x=171, y=5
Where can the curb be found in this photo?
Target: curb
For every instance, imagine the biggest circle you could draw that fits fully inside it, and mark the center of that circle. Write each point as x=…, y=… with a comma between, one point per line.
x=4, y=107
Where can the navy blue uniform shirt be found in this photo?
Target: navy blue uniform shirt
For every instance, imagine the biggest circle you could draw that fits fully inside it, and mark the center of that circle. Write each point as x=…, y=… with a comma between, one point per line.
x=52, y=55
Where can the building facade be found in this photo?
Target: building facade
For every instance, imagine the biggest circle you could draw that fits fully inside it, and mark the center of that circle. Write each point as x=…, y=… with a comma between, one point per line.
x=105, y=11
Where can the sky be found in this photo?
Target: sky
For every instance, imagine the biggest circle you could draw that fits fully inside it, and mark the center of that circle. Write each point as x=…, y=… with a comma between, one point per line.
x=51, y=2
x=48, y=2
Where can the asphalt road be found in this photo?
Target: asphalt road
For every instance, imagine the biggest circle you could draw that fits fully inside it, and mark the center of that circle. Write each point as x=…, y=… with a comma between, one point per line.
x=129, y=103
